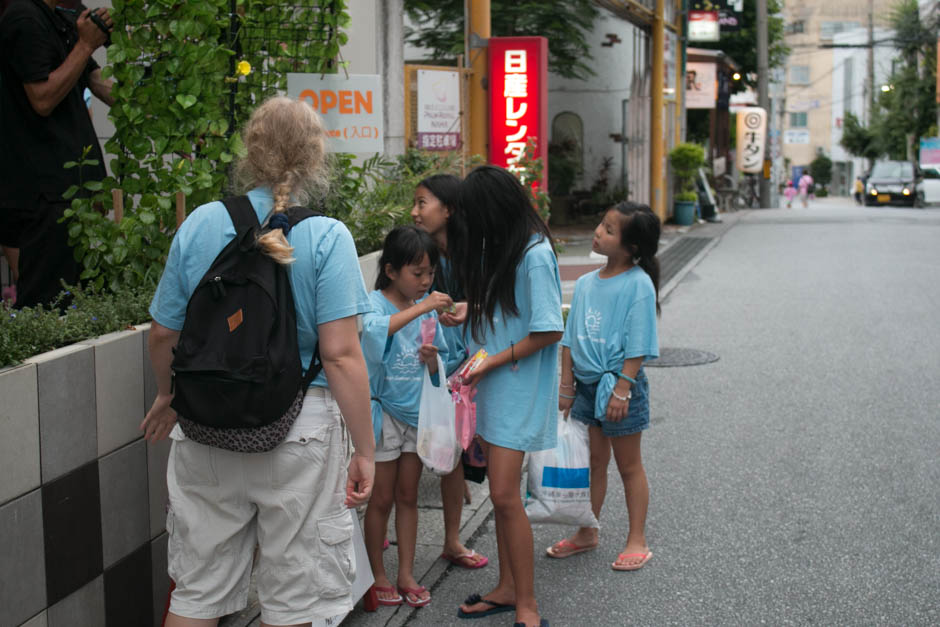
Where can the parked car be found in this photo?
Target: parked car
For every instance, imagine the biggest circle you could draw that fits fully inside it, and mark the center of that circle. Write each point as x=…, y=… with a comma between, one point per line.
x=894, y=183
x=931, y=184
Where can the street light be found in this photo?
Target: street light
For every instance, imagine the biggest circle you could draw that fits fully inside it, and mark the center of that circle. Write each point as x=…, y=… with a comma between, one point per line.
x=887, y=88
x=736, y=76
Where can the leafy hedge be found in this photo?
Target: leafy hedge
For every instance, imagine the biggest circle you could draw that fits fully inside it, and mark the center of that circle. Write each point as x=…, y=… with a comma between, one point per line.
x=31, y=331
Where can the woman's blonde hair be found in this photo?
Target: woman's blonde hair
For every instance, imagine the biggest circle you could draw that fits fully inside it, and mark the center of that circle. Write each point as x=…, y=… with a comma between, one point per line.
x=285, y=149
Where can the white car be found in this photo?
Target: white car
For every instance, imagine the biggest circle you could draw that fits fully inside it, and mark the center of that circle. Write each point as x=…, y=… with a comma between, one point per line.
x=931, y=184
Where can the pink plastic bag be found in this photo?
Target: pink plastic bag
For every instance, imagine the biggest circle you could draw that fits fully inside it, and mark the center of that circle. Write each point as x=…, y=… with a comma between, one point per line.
x=428, y=330
x=465, y=412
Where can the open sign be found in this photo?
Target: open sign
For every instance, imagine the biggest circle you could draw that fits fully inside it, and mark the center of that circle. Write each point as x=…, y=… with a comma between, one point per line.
x=351, y=108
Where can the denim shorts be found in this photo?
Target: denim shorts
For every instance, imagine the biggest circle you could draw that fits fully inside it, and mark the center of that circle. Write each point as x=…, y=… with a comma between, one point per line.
x=638, y=412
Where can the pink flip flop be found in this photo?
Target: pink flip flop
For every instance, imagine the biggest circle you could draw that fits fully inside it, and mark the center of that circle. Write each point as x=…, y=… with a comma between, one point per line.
x=466, y=560
x=646, y=557
x=567, y=548
x=387, y=589
x=404, y=592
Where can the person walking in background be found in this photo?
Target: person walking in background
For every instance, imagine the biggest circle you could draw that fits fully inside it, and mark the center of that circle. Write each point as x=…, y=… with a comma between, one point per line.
x=396, y=356
x=434, y=201
x=505, y=261
x=611, y=331
x=806, y=188
x=45, y=66
x=789, y=193
x=291, y=500
x=859, y=189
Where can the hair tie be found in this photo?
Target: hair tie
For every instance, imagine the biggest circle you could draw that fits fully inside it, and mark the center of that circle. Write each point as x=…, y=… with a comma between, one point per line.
x=279, y=221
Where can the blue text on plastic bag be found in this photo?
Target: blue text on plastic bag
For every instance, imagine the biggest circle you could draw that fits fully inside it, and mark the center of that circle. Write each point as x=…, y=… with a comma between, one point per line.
x=554, y=477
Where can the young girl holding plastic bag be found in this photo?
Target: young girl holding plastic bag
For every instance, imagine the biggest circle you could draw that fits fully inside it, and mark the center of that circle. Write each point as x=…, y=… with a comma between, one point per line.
x=434, y=201
x=398, y=357
x=611, y=330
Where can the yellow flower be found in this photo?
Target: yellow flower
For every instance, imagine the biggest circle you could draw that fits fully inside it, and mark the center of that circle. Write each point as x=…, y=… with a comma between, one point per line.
x=243, y=68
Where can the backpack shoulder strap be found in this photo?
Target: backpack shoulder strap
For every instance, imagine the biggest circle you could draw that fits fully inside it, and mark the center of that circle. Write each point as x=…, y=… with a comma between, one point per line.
x=298, y=214
x=241, y=212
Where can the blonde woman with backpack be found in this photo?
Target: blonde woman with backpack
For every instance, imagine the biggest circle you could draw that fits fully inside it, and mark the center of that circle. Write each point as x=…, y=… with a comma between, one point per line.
x=293, y=499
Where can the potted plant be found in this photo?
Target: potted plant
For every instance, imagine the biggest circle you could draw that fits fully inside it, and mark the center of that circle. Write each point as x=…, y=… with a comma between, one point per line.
x=685, y=159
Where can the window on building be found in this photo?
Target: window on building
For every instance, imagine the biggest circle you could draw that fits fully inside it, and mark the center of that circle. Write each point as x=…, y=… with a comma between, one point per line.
x=799, y=74
x=794, y=28
x=568, y=135
x=799, y=120
x=828, y=29
x=848, y=84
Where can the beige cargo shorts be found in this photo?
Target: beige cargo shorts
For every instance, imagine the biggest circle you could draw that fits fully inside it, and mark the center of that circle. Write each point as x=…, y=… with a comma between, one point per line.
x=288, y=501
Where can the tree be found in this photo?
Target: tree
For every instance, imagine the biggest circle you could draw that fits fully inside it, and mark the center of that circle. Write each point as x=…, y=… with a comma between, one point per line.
x=821, y=170
x=857, y=139
x=741, y=45
x=905, y=109
x=440, y=25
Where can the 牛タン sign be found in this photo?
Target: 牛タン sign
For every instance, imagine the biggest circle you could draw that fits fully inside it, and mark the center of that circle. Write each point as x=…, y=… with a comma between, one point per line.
x=752, y=139
x=351, y=108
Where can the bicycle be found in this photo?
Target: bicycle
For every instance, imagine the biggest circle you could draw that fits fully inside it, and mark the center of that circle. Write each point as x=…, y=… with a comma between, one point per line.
x=741, y=194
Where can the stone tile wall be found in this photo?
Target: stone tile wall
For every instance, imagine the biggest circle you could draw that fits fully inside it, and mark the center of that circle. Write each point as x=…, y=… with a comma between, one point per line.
x=83, y=496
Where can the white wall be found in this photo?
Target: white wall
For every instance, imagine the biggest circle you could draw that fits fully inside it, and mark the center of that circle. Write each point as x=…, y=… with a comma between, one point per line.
x=598, y=100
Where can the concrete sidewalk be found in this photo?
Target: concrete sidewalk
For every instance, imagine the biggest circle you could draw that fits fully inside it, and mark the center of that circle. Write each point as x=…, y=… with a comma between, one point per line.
x=575, y=259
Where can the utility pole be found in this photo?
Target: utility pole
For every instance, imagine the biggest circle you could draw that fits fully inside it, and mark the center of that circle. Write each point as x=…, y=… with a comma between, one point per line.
x=763, y=99
x=871, y=61
x=477, y=14
x=657, y=127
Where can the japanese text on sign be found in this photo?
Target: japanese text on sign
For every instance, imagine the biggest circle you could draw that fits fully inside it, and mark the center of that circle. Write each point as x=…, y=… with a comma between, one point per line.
x=518, y=99
x=752, y=139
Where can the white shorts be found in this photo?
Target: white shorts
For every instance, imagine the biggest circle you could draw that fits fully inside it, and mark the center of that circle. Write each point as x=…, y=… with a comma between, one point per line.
x=289, y=501
x=397, y=438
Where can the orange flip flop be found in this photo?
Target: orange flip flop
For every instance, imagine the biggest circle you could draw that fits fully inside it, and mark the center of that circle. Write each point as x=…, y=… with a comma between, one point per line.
x=646, y=557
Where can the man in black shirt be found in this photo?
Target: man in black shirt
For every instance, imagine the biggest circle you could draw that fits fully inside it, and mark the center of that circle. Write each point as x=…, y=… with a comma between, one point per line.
x=45, y=66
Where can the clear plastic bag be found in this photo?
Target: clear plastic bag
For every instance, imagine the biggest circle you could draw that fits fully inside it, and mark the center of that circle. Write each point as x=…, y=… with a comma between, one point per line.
x=559, y=483
x=437, y=437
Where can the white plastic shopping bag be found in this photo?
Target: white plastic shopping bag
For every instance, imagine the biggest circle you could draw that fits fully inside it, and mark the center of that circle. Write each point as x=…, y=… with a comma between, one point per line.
x=437, y=438
x=559, y=484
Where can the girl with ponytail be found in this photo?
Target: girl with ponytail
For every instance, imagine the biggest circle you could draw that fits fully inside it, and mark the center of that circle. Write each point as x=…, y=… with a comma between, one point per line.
x=611, y=331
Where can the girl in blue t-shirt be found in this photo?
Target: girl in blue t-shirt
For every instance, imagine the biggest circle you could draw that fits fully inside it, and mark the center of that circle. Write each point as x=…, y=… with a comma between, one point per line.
x=396, y=356
x=434, y=200
x=611, y=330
x=503, y=255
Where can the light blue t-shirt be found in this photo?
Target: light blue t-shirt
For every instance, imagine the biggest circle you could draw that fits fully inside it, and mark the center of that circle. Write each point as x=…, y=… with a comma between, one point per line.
x=445, y=282
x=396, y=373
x=325, y=277
x=611, y=320
x=518, y=409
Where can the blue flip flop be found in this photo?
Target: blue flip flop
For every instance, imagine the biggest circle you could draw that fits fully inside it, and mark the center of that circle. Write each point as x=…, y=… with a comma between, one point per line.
x=495, y=608
x=542, y=623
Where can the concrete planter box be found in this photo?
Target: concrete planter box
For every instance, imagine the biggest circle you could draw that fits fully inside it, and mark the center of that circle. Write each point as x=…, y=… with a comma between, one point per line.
x=83, y=496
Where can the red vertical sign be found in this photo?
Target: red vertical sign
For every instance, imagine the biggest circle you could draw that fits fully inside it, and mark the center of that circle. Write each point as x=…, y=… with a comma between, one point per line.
x=518, y=86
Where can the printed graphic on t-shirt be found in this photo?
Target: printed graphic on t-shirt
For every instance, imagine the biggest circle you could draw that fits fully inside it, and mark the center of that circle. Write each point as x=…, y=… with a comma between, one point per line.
x=406, y=366
x=592, y=324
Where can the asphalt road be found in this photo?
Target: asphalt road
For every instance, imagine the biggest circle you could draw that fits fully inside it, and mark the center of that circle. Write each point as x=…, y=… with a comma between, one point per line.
x=797, y=479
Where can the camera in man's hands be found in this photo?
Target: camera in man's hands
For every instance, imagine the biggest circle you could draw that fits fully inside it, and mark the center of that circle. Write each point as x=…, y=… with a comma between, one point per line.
x=94, y=17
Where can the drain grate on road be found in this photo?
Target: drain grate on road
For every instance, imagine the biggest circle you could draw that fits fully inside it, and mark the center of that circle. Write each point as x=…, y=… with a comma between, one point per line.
x=674, y=357
x=678, y=255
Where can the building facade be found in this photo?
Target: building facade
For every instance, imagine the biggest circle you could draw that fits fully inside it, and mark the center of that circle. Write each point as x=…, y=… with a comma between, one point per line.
x=811, y=26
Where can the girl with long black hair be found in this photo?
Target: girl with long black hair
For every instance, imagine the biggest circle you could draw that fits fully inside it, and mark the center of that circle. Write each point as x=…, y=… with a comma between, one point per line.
x=503, y=255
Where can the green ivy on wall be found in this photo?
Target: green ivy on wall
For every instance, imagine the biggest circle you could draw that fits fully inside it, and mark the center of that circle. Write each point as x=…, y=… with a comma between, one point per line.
x=187, y=74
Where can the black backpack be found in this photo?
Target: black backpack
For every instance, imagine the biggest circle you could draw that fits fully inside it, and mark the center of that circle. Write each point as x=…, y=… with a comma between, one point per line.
x=237, y=363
